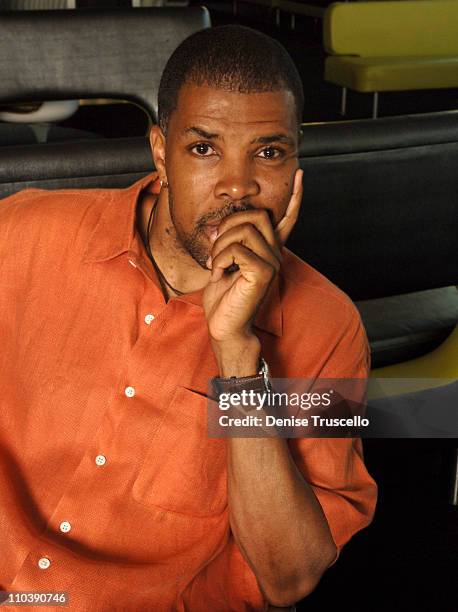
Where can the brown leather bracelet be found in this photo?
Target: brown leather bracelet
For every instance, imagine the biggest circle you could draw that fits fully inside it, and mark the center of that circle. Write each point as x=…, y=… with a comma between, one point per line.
x=258, y=383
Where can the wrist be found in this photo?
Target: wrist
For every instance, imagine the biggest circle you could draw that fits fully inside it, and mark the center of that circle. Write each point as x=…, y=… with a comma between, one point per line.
x=258, y=383
x=238, y=357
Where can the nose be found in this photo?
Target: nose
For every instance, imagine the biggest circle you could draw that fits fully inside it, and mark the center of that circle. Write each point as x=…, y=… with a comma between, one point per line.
x=236, y=181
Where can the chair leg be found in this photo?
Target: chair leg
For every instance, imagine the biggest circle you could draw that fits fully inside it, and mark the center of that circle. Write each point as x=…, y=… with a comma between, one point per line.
x=343, y=102
x=454, y=496
x=293, y=21
x=375, y=105
x=234, y=7
x=277, y=17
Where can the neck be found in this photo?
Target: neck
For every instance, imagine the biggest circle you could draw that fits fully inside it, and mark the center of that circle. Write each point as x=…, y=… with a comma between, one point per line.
x=177, y=266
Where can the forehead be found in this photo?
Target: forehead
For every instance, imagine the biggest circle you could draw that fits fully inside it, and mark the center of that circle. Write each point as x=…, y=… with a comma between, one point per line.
x=227, y=111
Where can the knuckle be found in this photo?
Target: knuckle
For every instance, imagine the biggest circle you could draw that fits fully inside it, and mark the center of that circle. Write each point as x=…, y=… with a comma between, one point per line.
x=252, y=229
x=262, y=213
x=264, y=218
x=247, y=228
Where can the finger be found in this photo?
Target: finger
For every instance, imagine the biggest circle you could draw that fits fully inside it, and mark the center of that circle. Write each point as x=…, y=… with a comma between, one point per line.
x=248, y=235
x=289, y=219
x=253, y=268
x=261, y=221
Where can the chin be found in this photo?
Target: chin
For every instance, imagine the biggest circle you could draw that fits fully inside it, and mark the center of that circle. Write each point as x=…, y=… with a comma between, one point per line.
x=198, y=250
x=201, y=259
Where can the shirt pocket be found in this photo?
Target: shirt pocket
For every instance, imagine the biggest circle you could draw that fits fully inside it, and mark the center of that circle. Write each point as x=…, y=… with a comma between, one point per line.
x=184, y=470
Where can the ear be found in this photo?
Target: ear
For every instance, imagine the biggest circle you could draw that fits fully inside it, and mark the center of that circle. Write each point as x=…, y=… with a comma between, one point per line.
x=157, y=143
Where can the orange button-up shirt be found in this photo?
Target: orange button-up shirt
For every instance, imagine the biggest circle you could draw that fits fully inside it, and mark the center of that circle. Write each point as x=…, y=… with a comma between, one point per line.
x=110, y=488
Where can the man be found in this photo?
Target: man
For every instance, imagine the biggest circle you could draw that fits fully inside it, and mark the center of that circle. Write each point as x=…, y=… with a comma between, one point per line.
x=119, y=307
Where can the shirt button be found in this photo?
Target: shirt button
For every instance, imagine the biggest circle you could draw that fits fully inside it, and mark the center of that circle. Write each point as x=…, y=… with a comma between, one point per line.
x=100, y=460
x=44, y=563
x=65, y=526
x=129, y=391
x=149, y=318
x=132, y=263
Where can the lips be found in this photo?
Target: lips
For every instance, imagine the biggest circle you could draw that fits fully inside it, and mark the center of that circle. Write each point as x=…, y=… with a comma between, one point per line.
x=210, y=230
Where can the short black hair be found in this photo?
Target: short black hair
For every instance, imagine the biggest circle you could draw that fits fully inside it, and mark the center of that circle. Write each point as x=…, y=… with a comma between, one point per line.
x=229, y=57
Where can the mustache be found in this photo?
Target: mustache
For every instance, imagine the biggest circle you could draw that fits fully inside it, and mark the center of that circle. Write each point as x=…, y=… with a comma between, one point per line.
x=229, y=209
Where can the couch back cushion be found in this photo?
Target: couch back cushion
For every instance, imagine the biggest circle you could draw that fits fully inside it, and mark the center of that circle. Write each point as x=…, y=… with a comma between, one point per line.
x=380, y=207
x=97, y=53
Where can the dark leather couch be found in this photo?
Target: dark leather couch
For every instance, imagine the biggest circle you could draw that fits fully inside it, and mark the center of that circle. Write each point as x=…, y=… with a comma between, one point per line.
x=380, y=219
x=379, y=215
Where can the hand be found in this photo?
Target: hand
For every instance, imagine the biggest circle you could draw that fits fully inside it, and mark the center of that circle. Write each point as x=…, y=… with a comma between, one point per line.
x=248, y=240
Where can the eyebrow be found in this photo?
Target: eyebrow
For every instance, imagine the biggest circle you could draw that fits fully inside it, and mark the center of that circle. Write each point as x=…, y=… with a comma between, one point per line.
x=274, y=138
x=268, y=139
x=200, y=132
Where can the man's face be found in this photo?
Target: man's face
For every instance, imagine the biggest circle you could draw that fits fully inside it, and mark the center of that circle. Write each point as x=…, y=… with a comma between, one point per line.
x=227, y=152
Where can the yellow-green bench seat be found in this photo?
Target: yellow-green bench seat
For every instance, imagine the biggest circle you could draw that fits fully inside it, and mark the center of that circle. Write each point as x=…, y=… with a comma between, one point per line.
x=392, y=45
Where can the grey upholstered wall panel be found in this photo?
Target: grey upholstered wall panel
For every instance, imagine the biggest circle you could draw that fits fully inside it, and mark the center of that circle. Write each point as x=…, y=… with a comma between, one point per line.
x=58, y=55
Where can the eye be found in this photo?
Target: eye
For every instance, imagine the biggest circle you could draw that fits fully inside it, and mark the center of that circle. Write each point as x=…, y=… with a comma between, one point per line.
x=271, y=153
x=202, y=149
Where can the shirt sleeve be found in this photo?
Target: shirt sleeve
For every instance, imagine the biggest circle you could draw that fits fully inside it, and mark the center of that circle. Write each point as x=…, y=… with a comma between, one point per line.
x=228, y=582
x=334, y=467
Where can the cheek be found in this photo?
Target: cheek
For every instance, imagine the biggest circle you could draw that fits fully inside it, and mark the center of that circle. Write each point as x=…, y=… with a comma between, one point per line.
x=277, y=197
x=192, y=187
x=185, y=200
x=188, y=175
x=186, y=214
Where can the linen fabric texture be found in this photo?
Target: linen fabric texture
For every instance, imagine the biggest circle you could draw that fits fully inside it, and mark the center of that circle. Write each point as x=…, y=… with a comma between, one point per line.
x=83, y=375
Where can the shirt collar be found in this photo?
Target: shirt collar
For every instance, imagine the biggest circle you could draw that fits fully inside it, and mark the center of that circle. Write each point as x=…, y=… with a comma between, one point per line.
x=114, y=233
